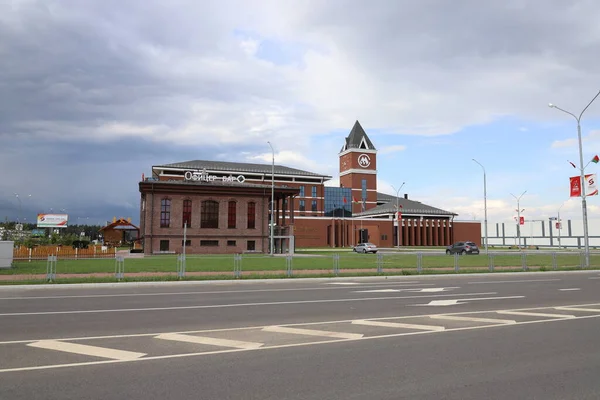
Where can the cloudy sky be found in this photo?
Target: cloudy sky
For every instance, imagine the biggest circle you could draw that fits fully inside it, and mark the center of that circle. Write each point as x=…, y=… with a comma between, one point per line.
x=93, y=93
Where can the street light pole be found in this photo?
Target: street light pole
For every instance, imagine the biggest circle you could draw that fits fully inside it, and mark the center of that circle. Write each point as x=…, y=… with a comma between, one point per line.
x=484, y=205
x=559, y=225
x=519, y=215
x=272, y=227
x=586, y=239
x=398, y=213
x=20, y=207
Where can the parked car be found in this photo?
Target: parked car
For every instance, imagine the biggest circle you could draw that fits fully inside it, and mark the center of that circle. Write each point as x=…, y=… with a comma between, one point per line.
x=365, y=248
x=463, y=248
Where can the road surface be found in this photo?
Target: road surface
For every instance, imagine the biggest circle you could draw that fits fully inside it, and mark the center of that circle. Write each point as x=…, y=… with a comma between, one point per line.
x=500, y=336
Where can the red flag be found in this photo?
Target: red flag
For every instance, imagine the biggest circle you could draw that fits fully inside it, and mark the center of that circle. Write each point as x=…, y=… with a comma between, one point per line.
x=345, y=200
x=596, y=159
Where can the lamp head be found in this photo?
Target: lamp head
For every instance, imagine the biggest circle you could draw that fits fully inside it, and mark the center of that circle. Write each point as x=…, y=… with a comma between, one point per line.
x=551, y=105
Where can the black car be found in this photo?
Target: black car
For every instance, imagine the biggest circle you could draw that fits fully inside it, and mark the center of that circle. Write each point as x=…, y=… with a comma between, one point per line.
x=462, y=248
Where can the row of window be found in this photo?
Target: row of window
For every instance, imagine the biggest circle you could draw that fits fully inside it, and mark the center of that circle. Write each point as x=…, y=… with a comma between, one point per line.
x=250, y=244
x=209, y=214
x=313, y=191
x=313, y=206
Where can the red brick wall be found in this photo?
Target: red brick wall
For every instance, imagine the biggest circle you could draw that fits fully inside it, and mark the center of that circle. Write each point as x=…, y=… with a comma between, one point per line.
x=314, y=232
x=174, y=233
x=467, y=230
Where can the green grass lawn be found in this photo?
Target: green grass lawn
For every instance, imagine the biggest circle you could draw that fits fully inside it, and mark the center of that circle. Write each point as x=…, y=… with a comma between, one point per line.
x=259, y=262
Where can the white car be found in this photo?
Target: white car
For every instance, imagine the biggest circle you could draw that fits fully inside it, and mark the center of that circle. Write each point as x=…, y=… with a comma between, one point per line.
x=365, y=248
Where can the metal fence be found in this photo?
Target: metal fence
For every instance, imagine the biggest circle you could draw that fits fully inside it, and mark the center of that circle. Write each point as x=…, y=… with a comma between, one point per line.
x=258, y=265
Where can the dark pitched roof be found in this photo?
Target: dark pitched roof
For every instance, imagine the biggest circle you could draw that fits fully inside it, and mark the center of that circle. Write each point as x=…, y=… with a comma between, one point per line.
x=358, y=139
x=409, y=207
x=240, y=167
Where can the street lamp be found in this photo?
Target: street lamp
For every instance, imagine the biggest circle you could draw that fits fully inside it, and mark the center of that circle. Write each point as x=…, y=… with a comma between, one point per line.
x=582, y=174
x=20, y=207
x=272, y=198
x=519, y=211
x=398, y=212
x=484, y=205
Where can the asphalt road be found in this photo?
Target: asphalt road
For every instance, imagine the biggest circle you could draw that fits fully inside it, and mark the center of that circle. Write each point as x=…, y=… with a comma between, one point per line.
x=500, y=336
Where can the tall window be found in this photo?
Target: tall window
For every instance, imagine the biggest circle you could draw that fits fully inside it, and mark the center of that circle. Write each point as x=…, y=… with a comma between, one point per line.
x=301, y=191
x=314, y=191
x=231, y=214
x=364, y=190
x=209, y=214
x=251, y=215
x=313, y=206
x=302, y=206
x=187, y=213
x=165, y=213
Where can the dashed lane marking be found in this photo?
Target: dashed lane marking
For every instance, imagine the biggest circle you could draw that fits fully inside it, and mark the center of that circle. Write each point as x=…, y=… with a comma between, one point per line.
x=398, y=325
x=87, y=350
x=519, y=281
x=209, y=340
x=577, y=309
x=312, y=332
x=569, y=289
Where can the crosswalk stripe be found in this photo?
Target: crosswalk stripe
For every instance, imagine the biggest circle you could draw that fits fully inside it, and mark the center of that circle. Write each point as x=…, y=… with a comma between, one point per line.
x=533, y=314
x=474, y=319
x=209, y=341
x=398, y=325
x=312, y=332
x=84, y=349
x=595, y=310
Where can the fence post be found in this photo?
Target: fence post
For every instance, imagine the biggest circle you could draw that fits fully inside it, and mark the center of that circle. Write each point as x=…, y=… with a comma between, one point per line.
x=237, y=265
x=119, y=267
x=419, y=262
x=336, y=264
x=30, y=254
x=51, y=268
x=524, y=261
x=379, y=263
x=554, y=263
x=491, y=261
x=456, y=263
x=181, y=265
x=289, y=265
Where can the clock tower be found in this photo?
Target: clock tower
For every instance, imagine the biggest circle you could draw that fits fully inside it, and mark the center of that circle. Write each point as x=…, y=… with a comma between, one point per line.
x=358, y=169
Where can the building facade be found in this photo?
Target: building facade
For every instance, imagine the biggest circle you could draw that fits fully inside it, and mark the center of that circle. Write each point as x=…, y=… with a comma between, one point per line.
x=226, y=207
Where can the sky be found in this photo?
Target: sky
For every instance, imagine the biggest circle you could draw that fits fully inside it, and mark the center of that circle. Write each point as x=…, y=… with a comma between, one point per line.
x=93, y=93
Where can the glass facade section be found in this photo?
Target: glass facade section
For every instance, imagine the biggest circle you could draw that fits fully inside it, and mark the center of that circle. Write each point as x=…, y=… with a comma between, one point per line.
x=338, y=202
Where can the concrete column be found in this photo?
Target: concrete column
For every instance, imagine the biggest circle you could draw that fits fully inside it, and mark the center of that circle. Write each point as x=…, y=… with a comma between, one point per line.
x=418, y=232
x=429, y=232
x=442, y=231
x=404, y=232
x=448, y=233
x=436, y=226
x=412, y=231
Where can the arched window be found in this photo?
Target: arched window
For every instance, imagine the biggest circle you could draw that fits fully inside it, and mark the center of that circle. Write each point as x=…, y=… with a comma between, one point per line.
x=187, y=213
x=209, y=214
x=231, y=214
x=251, y=215
x=165, y=213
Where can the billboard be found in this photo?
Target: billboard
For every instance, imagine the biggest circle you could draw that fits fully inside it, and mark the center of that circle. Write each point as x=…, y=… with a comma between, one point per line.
x=52, y=220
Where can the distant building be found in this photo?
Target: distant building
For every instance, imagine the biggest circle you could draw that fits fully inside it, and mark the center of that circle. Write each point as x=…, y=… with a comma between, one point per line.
x=225, y=207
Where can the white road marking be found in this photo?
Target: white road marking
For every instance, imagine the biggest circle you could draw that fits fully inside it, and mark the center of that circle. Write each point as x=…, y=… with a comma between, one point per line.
x=578, y=309
x=292, y=345
x=564, y=290
x=276, y=303
x=533, y=314
x=312, y=332
x=408, y=284
x=520, y=281
x=474, y=319
x=398, y=325
x=87, y=350
x=433, y=290
x=441, y=303
x=377, y=291
x=463, y=301
x=209, y=340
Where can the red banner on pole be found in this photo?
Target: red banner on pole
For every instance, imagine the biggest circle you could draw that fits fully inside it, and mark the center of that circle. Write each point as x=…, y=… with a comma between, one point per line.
x=522, y=221
x=575, y=186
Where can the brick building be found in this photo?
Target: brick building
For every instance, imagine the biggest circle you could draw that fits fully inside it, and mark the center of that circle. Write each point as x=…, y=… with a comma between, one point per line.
x=225, y=207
